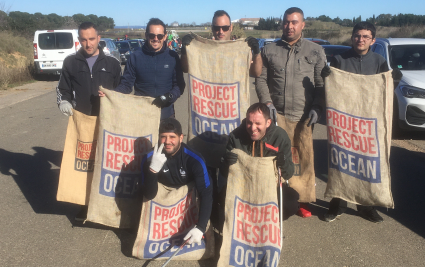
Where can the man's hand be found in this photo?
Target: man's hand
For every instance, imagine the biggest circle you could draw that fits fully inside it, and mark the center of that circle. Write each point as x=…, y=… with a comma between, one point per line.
x=253, y=43
x=194, y=236
x=280, y=159
x=397, y=75
x=158, y=158
x=162, y=101
x=313, y=117
x=66, y=108
x=273, y=112
x=101, y=94
x=186, y=41
x=231, y=158
x=326, y=71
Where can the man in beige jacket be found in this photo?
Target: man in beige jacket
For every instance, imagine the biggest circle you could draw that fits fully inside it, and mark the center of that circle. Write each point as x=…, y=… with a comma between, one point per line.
x=291, y=83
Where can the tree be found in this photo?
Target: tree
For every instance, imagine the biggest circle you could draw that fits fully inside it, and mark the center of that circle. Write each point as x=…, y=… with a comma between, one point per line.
x=238, y=30
x=324, y=18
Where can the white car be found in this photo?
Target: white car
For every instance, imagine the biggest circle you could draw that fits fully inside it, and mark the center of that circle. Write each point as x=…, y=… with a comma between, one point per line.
x=51, y=47
x=408, y=55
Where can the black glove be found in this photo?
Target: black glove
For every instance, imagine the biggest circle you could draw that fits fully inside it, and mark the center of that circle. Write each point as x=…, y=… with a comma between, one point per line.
x=253, y=43
x=231, y=158
x=314, y=116
x=396, y=73
x=186, y=41
x=280, y=159
x=162, y=101
x=326, y=71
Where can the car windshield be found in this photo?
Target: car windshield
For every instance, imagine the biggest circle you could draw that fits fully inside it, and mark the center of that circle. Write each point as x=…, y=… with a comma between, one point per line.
x=102, y=44
x=335, y=51
x=407, y=57
x=123, y=45
x=134, y=44
x=55, y=40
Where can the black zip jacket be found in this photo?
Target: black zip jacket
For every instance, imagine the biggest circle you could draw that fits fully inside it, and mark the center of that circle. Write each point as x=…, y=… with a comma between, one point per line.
x=274, y=141
x=181, y=169
x=369, y=64
x=80, y=87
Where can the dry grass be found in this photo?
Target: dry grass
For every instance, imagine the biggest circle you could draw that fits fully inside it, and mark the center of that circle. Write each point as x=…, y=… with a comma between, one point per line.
x=16, y=60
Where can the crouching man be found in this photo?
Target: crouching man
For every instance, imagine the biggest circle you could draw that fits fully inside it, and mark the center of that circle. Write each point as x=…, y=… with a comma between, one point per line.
x=258, y=137
x=174, y=164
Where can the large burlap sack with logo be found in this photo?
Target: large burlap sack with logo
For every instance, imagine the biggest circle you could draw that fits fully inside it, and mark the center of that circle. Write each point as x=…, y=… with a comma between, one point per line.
x=128, y=125
x=359, y=120
x=165, y=221
x=218, y=93
x=304, y=179
x=251, y=233
x=78, y=159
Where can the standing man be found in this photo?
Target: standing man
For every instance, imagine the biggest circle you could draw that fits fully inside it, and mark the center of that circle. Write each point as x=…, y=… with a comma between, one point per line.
x=84, y=71
x=174, y=164
x=222, y=31
x=290, y=81
x=82, y=74
x=155, y=70
x=359, y=60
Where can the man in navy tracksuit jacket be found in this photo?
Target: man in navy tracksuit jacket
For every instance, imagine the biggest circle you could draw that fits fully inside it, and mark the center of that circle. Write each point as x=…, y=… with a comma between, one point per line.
x=154, y=71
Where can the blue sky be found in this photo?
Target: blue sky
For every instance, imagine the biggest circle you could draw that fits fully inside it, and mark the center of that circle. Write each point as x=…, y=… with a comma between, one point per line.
x=138, y=12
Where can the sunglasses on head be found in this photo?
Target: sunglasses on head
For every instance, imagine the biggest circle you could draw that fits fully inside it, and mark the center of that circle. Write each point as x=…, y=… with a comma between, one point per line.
x=217, y=28
x=159, y=36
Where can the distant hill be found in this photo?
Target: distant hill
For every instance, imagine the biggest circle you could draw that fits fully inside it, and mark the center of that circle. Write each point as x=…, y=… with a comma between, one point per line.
x=131, y=27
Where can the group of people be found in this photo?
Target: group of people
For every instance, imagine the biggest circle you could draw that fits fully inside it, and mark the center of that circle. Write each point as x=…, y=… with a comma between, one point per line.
x=289, y=81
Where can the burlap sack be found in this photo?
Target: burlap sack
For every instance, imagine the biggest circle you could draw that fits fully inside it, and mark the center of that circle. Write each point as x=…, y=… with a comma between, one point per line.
x=128, y=125
x=251, y=233
x=165, y=221
x=359, y=120
x=304, y=179
x=78, y=159
x=218, y=93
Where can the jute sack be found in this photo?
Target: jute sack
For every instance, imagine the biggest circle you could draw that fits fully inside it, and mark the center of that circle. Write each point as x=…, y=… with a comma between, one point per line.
x=359, y=120
x=304, y=179
x=128, y=125
x=165, y=221
x=77, y=165
x=251, y=233
x=218, y=93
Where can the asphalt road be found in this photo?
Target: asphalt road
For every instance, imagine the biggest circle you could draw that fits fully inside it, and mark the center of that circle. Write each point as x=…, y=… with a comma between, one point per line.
x=36, y=230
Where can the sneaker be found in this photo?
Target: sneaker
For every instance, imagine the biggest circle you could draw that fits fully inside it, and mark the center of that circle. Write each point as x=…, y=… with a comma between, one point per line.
x=330, y=217
x=82, y=214
x=371, y=215
x=303, y=211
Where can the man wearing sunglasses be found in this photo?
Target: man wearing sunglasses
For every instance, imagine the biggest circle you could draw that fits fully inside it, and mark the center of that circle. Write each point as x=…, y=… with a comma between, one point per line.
x=291, y=82
x=222, y=31
x=155, y=70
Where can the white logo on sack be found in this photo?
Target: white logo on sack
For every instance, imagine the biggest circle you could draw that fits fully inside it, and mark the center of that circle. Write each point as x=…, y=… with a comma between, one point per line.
x=165, y=66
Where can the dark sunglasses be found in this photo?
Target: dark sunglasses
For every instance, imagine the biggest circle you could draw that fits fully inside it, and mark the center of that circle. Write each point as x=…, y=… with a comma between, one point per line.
x=217, y=28
x=159, y=36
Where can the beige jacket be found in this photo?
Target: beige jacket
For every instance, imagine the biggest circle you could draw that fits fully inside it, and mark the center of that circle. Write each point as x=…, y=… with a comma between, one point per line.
x=291, y=78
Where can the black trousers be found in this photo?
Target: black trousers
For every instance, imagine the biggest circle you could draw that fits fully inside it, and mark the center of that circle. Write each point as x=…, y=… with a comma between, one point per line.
x=339, y=206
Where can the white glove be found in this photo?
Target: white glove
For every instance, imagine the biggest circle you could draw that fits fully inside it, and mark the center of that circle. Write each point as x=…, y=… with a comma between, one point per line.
x=195, y=236
x=158, y=159
x=66, y=108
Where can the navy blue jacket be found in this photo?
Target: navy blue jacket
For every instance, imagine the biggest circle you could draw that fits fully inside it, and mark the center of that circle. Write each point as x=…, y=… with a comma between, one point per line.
x=180, y=169
x=154, y=74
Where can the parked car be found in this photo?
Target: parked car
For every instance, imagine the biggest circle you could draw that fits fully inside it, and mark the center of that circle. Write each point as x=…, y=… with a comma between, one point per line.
x=261, y=42
x=318, y=41
x=270, y=40
x=408, y=55
x=333, y=50
x=51, y=47
x=125, y=49
x=135, y=44
x=109, y=48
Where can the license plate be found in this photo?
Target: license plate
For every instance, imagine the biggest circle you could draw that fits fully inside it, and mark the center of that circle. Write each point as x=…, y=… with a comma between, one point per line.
x=48, y=65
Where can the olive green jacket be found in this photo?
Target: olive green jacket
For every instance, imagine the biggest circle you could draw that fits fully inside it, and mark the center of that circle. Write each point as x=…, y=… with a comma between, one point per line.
x=291, y=78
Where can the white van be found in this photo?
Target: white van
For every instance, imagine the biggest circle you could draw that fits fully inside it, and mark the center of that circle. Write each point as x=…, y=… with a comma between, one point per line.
x=51, y=47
